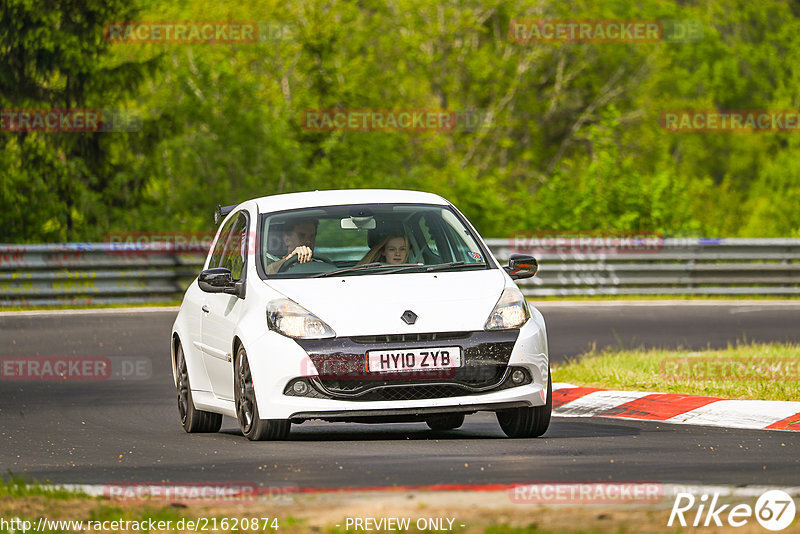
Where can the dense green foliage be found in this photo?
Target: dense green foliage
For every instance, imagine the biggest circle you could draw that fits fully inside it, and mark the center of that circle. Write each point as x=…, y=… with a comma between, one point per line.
x=573, y=143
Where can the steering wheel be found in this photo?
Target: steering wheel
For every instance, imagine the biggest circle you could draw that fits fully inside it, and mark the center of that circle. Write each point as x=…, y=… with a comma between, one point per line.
x=291, y=262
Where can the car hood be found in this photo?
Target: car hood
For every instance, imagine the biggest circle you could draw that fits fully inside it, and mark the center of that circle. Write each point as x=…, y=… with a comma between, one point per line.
x=374, y=304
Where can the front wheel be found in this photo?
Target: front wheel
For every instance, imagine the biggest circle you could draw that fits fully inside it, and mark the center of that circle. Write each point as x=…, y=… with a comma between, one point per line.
x=253, y=427
x=529, y=422
x=192, y=419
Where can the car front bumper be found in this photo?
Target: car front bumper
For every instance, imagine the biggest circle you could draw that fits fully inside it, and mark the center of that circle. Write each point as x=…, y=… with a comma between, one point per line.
x=287, y=360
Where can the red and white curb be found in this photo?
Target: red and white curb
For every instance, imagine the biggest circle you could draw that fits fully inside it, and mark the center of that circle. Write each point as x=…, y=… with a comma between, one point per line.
x=575, y=401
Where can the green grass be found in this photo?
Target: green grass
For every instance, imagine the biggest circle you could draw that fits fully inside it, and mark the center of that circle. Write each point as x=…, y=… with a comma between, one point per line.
x=155, y=304
x=15, y=486
x=534, y=299
x=29, y=501
x=719, y=372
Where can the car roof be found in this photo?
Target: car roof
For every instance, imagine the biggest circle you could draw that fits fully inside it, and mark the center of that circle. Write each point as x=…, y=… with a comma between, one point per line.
x=312, y=199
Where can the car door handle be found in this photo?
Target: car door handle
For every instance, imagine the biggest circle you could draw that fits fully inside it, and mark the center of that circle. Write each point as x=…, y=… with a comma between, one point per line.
x=205, y=308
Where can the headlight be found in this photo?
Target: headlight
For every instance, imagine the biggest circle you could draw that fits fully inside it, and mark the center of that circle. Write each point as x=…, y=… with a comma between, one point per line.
x=290, y=319
x=511, y=311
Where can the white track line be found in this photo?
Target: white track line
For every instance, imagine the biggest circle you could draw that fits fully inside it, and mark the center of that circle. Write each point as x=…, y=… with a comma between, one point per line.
x=750, y=305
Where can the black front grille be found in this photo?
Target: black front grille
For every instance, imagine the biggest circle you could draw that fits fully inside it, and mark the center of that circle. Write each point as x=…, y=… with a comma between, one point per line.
x=437, y=391
x=467, y=379
x=400, y=338
x=387, y=391
x=341, y=362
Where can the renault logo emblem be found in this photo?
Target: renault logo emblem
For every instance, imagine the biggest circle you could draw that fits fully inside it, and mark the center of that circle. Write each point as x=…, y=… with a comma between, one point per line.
x=409, y=317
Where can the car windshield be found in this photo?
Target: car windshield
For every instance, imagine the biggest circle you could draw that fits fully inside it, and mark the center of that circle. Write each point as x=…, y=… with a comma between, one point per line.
x=357, y=240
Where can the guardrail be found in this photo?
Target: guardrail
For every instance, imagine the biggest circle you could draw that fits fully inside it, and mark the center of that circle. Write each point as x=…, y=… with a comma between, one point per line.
x=95, y=273
x=104, y=273
x=695, y=266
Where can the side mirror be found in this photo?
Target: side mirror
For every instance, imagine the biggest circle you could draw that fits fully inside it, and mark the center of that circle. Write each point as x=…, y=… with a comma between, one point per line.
x=521, y=266
x=220, y=280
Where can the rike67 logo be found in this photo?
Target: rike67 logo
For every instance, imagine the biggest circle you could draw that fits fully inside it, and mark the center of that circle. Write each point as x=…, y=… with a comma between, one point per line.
x=774, y=510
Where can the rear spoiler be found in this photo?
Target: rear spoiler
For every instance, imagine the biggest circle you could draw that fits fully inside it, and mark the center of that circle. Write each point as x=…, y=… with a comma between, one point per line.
x=222, y=211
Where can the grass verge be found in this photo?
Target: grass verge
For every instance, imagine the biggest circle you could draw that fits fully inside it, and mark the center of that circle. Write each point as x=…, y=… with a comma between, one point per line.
x=92, y=306
x=533, y=299
x=465, y=512
x=744, y=371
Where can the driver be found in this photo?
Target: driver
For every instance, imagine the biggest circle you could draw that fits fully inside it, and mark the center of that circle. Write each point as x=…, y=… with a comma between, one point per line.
x=299, y=236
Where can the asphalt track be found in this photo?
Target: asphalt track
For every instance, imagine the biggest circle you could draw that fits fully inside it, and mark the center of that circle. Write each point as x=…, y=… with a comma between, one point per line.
x=110, y=431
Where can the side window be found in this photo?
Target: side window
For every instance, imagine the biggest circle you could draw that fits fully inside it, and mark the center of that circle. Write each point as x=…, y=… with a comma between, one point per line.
x=426, y=234
x=435, y=239
x=466, y=247
x=235, y=254
x=230, y=250
x=219, y=246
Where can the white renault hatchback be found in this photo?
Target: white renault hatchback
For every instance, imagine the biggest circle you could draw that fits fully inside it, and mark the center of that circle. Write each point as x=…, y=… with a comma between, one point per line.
x=360, y=305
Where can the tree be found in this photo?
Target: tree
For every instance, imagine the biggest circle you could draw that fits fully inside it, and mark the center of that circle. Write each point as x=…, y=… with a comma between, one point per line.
x=63, y=185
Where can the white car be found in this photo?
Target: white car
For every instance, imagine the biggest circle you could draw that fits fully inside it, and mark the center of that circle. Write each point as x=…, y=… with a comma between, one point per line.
x=359, y=306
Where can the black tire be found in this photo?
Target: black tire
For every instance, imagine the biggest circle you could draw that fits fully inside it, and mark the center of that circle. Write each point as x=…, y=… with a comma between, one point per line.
x=253, y=427
x=527, y=422
x=449, y=421
x=192, y=419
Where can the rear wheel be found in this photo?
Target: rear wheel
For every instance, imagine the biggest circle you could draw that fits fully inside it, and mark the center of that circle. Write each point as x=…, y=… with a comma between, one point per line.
x=448, y=421
x=192, y=419
x=527, y=422
x=253, y=427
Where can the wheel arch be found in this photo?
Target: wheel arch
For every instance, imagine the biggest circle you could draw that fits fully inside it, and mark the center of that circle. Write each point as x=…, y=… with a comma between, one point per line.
x=237, y=342
x=176, y=340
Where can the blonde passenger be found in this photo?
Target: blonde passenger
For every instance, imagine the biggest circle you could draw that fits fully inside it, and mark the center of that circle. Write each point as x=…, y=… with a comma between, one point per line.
x=392, y=249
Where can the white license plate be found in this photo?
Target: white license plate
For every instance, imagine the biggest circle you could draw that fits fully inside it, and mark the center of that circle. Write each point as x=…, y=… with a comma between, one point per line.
x=388, y=361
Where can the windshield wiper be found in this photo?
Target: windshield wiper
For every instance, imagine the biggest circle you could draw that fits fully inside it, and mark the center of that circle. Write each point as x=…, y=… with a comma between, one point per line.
x=454, y=264
x=402, y=267
x=388, y=268
x=348, y=269
x=385, y=268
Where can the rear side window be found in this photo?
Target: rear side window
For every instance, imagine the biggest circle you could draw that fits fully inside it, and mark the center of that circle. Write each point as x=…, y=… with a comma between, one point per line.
x=427, y=236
